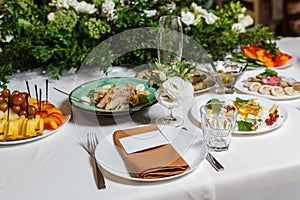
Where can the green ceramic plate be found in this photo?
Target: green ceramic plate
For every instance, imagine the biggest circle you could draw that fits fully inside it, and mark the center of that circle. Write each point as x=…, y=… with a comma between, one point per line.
x=76, y=95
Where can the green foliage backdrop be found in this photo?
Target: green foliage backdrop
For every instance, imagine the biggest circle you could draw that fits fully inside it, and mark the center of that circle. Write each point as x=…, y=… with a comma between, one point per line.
x=58, y=36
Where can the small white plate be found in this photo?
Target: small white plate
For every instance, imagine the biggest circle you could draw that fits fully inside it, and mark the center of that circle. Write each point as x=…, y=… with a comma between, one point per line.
x=190, y=146
x=264, y=102
x=240, y=85
x=67, y=113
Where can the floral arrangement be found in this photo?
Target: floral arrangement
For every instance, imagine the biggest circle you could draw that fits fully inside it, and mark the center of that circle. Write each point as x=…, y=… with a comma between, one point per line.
x=58, y=36
x=158, y=73
x=173, y=91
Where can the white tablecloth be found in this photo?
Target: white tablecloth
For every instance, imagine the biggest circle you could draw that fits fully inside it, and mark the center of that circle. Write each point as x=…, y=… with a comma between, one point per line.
x=265, y=166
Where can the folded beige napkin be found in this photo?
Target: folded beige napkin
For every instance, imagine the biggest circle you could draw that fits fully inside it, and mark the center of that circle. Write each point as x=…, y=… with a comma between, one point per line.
x=158, y=162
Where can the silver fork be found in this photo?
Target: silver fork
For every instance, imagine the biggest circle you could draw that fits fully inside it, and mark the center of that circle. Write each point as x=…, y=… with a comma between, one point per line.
x=92, y=143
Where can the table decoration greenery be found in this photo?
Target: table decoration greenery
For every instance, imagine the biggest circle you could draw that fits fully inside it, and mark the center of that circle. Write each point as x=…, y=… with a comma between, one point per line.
x=58, y=35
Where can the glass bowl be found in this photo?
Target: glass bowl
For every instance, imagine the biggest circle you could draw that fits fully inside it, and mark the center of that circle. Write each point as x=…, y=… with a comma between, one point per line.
x=228, y=72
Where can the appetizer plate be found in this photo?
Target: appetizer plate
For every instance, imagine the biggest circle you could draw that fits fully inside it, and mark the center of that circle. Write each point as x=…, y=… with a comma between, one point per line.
x=266, y=103
x=190, y=146
x=289, y=63
x=67, y=113
x=205, y=81
x=83, y=90
x=240, y=85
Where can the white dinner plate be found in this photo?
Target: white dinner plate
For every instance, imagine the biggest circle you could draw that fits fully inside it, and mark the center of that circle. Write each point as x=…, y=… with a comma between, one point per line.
x=67, y=113
x=267, y=103
x=190, y=146
x=289, y=63
x=240, y=85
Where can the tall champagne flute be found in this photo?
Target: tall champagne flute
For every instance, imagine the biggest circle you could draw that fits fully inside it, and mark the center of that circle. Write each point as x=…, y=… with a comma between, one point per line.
x=170, y=41
x=170, y=44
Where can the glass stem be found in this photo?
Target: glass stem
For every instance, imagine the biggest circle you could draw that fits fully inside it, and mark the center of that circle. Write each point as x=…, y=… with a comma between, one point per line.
x=171, y=116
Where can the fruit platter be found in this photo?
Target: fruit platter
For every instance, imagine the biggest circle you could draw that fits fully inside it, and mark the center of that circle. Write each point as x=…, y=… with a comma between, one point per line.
x=269, y=83
x=24, y=119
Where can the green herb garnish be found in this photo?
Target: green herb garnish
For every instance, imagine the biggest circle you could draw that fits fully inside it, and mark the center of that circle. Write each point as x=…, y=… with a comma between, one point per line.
x=244, y=126
x=269, y=72
x=143, y=99
x=213, y=100
x=215, y=105
x=239, y=100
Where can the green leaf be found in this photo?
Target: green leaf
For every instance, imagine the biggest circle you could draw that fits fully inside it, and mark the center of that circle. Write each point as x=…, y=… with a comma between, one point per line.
x=143, y=99
x=239, y=100
x=215, y=105
x=213, y=100
x=22, y=5
x=244, y=126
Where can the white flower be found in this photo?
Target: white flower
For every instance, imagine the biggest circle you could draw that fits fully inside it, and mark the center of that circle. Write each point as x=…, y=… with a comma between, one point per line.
x=187, y=18
x=85, y=7
x=244, y=9
x=243, y=22
x=62, y=4
x=239, y=28
x=51, y=16
x=165, y=99
x=246, y=21
x=210, y=18
x=150, y=13
x=193, y=6
x=174, y=90
x=198, y=9
x=108, y=8
x=72, y=3
x=240, y=17
x=66, y=3
x=8, y=38
x=171, y=6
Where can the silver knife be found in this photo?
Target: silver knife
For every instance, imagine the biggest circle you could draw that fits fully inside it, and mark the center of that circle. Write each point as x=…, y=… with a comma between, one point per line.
x=211, y=159
x=214, y=162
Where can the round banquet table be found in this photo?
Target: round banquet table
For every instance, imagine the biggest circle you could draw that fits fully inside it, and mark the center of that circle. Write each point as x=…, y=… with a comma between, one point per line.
x=259, y=166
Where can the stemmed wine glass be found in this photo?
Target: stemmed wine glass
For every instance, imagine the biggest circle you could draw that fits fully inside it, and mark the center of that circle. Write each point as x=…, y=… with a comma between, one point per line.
x=170, y=40
x=170, y=45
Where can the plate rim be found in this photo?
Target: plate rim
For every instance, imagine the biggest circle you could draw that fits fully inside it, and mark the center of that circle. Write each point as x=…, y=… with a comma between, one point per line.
x=109, y=138
x=276, y=126
x=289, y=63
x=239, y=85
x=108, y=113
x=67, y=113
